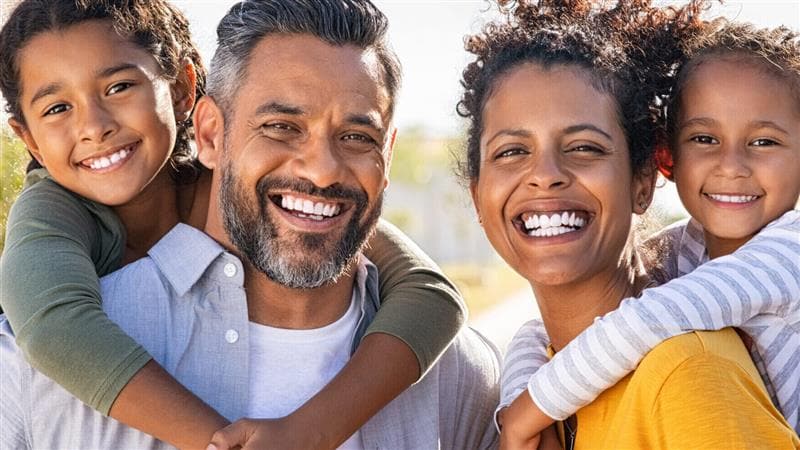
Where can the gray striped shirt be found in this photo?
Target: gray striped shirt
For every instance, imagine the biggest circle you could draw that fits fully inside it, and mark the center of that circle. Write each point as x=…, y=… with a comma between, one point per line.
x=757, y=289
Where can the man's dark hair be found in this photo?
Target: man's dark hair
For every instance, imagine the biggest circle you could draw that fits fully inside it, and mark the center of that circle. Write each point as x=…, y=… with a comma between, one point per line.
x=337, y=22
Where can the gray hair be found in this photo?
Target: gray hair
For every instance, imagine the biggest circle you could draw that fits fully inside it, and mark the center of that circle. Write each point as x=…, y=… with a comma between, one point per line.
x=337, y=22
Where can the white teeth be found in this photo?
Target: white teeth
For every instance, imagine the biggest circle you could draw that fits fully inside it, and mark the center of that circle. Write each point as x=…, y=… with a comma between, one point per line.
x=107, y=161
x=733, y=198
x=544, y=221
x=572, y=220
x=308, y=209
x=555, y=220
x=549, y=232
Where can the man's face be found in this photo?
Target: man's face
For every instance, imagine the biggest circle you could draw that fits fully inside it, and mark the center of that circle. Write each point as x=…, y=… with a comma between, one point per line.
x=305, y=158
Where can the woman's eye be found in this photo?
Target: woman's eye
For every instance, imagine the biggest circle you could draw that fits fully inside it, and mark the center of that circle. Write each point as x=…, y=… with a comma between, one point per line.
x=510, y=152
x=586, y=149
x=763, y=142
x=57, y=109
x=704, y=139
x=119, y=87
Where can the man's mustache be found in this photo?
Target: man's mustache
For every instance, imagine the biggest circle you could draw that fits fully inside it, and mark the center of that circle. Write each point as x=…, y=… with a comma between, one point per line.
x=335, y=191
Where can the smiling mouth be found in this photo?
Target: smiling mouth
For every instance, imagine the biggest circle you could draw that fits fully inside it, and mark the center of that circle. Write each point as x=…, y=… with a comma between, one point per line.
x=306, y=208
x=111, y=159
x=728, y=198
x=551, y=223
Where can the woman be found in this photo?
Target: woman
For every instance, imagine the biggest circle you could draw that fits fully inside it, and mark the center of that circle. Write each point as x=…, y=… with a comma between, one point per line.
x=559, y=158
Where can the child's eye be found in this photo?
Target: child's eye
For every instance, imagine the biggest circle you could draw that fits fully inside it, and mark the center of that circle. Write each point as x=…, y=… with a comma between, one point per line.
x=118, y=87
x=763, y=142
x=57, y=109
x=704, y=139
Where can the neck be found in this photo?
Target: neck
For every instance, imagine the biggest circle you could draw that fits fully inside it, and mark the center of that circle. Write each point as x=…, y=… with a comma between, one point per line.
x=570, y=308
x=273, y=304
x=720, y=247
x=149, y=216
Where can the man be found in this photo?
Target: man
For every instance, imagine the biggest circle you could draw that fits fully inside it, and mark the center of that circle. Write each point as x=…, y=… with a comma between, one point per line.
x=297, y=128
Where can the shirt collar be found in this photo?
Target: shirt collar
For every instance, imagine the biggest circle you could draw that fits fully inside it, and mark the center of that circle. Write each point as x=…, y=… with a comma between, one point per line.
x=183, y=255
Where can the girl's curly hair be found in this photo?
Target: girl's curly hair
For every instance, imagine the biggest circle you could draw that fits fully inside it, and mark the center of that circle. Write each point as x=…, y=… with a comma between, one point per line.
x=776, y=51
x=628, y=49
x=154, y=25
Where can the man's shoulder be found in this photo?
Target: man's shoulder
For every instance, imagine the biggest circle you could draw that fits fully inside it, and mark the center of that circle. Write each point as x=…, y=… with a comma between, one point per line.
x=473, y=352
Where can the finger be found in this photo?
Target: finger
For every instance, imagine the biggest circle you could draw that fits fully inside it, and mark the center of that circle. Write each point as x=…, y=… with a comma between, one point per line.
x=230, y=437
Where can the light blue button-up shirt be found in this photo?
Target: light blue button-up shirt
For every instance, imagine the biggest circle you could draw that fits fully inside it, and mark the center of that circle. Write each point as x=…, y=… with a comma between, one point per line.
x=186, y=304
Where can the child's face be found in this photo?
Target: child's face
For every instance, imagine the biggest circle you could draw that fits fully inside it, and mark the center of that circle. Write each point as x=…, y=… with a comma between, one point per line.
x=99, y=115
x=737, y=163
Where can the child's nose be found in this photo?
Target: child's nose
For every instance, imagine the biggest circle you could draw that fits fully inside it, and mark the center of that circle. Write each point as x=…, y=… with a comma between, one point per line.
x=96, y=122
x=733, y=161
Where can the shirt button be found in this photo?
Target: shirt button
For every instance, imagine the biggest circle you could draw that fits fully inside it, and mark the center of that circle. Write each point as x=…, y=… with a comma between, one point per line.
x=231, y=336
x=230, y=270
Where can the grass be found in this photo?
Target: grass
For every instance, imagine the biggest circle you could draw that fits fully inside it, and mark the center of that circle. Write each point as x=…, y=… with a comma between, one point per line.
x=13, y=159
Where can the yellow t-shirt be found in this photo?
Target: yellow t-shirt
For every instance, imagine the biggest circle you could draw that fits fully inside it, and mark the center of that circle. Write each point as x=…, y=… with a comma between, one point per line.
x=695, y=391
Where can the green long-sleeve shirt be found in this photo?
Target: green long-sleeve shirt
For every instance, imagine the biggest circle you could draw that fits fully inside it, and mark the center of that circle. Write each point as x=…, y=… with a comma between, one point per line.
x=58, y=244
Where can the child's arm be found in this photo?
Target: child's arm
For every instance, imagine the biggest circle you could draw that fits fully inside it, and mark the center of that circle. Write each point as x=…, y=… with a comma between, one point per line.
x=50, y=292
x=761, y=277
x=420, y=313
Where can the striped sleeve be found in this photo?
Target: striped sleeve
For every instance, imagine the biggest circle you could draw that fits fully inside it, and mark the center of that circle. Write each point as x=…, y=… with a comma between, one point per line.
x=525, y=354
x=760, y=278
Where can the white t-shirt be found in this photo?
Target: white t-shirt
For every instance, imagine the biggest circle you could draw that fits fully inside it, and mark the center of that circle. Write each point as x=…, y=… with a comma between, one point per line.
x=287, y=367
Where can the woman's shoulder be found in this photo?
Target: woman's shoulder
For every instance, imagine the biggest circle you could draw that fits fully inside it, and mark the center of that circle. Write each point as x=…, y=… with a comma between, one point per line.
x=679, y=359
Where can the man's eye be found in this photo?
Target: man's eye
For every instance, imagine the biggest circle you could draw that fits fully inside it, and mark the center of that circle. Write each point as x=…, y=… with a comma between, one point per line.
x=277, y=127
x=359, y=138
x=119, y=87
x=704, y=139
x=57, y=109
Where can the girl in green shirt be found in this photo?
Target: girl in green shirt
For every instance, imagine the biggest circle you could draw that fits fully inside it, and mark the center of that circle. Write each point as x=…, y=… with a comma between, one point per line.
x=101, y=92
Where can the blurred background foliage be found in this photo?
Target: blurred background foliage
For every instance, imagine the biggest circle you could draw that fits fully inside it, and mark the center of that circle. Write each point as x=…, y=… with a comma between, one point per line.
x=13, y=159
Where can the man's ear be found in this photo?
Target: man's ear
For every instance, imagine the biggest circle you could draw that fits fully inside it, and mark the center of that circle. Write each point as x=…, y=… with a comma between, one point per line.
x=644, y=186
x=184, y=89
x=209, y=132
x=388, y=152
x=23, y=133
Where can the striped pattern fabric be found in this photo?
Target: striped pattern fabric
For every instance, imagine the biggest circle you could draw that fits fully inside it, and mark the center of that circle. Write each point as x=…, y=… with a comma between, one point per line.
x=756, y=289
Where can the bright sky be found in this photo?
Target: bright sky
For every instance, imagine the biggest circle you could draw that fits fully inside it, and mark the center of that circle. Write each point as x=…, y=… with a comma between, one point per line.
x=428, y=38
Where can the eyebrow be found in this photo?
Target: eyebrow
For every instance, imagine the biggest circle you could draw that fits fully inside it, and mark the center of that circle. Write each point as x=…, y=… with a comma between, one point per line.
x=767, y=124
x=587, y=126
x=515, y=132
x=367, y=120
x=704, y=121
x=279, y=108
x=53, y=88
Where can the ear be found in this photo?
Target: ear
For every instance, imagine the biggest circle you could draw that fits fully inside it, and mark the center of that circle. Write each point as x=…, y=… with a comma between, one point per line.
x=473, y=191
x=184, y=90
x=23, y=133
x=209, y=132
x=388, y=152
x=644, y=186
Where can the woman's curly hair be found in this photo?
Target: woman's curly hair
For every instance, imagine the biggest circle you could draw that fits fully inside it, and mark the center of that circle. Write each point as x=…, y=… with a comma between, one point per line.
x=156, y=26
x=776, y=51
x=629, y=50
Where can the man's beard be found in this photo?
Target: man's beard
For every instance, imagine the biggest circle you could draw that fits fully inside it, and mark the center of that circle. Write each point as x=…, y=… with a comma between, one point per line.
x=291, y=262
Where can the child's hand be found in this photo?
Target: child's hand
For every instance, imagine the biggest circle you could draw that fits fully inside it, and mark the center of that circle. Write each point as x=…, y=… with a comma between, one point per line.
x=257, y=434
x=521, y=424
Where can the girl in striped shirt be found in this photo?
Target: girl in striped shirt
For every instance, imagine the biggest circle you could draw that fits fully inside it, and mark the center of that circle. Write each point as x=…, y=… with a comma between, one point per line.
x=733, y=130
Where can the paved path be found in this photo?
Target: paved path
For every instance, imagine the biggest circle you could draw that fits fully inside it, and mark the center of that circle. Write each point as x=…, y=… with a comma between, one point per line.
x=501, y=322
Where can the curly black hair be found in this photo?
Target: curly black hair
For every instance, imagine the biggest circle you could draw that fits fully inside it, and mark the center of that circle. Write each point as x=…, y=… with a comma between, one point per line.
x=629, y=50
x=156, y=26
x=775, y=51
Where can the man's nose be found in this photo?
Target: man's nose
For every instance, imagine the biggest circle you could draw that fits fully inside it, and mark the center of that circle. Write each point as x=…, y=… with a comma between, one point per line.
x=96, y=123
x=319, y=162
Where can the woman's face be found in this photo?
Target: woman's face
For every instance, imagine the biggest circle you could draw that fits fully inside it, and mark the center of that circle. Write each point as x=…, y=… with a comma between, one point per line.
x=555, y=192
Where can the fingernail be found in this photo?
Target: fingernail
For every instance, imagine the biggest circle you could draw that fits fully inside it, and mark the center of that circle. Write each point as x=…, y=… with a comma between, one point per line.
x=211, y=447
